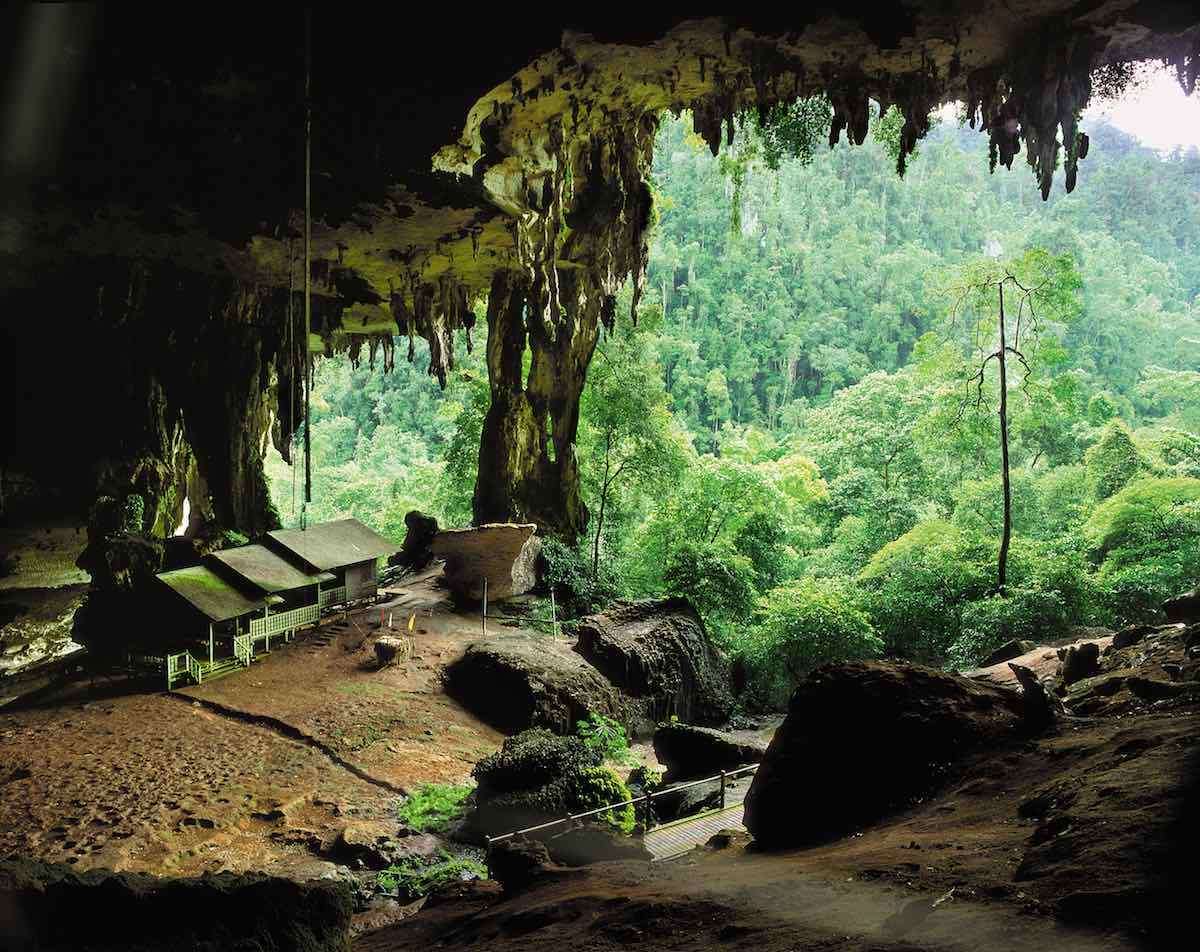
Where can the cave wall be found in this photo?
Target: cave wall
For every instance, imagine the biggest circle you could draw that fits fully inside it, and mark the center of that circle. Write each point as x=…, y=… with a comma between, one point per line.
x=162, y=384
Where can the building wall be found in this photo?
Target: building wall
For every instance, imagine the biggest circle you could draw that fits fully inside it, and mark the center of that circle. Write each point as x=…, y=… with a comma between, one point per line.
x=361, y=580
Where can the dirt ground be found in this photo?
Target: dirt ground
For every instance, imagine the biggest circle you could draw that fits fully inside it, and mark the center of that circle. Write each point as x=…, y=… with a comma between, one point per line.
x=236, y=774
x=1051, y=844
x=395, y=723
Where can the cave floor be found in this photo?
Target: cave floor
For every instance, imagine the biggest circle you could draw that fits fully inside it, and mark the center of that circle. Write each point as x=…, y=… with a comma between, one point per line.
x=259, y=770
x=1079, y=840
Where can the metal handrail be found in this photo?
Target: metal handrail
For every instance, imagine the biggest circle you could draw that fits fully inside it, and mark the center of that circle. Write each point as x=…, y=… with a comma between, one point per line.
x=723, y=776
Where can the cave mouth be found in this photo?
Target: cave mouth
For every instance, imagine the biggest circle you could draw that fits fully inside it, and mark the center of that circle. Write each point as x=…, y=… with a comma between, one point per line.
x=525, y=187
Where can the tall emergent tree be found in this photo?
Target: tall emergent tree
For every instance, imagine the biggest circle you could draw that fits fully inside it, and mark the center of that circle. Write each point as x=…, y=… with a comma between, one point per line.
x=1042, y=291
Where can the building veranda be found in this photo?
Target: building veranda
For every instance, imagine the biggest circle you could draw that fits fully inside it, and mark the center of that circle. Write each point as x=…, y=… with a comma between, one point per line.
x=223, y=611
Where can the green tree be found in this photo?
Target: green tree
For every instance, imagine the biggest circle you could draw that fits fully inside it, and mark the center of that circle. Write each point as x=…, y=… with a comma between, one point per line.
x=1042, y=289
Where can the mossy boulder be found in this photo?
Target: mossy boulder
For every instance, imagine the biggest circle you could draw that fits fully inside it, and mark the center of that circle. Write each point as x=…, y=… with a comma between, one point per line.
x=538, y=776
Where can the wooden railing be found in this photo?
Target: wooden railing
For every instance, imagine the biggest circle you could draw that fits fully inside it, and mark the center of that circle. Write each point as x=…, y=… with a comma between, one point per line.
x=724, y=777
x=183, y=665
x=331, y=596
x=284, y=621
x=242, y=649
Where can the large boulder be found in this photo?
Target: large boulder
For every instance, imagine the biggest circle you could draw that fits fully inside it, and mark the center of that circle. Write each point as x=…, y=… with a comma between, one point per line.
x=537, y=777
x=417, y=551
x=689, y=752
x=1008, y=651
x=1078, y=662
x=516, y=681
x=51, y=908
x=864, y=739
x=659, y=652
x=1183, y=608
x=505, y=554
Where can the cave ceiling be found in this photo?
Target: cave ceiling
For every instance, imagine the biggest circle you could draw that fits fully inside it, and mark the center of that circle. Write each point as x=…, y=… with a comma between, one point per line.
x=438, y=146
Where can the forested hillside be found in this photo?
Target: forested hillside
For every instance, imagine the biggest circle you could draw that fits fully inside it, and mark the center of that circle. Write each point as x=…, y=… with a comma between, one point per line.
x=802, y=431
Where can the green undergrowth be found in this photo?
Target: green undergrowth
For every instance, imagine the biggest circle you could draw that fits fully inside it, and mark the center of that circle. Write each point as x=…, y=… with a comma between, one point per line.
x=606, y=736
x=433, y=807
x=418, y=876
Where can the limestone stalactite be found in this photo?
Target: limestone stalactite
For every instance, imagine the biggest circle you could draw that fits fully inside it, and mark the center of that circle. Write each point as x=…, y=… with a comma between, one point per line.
x=586, y=237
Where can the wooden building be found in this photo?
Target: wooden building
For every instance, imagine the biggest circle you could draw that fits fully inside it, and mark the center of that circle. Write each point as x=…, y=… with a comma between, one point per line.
x=292, y=593
x=243, y=596
x=345, y=548
x=214, y=611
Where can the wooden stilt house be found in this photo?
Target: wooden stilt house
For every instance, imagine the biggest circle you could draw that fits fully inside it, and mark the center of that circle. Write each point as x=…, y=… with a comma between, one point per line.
x=345, y=548
x=243, y=596
x=292, y=593
x=214, y=612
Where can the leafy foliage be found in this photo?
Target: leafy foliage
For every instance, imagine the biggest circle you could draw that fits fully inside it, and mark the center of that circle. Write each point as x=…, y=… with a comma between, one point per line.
x=417, y=876
x=787, y=437
x=604, y=735
x=433, y=807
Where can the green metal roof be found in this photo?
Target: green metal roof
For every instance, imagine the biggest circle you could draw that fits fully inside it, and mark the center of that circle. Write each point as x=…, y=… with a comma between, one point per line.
x=264, y=569
x=209, y=593
x=332, y=545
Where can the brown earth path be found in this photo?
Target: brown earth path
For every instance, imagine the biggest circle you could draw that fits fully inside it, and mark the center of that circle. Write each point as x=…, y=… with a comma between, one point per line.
x=258, y=770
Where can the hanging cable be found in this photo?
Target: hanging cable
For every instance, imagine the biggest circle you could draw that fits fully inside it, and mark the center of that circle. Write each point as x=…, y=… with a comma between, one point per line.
x=293, y=368
x=307, y=261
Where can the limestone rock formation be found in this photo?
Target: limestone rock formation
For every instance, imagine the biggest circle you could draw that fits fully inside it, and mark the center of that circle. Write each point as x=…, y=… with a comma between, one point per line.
x=1042, y=707
x=516, y=864
x=690, y=752
x=1007, y=652
x=1183, y=608
x=1150, y=668
x=536, y=777
x=516, y=681
x=658, y=651
x=861, y=740
x=389, y=649
x=417, y=551
x=595, y=843
x=502, y=553
x=160, y=214
x=50, y=908
x=1078, y=662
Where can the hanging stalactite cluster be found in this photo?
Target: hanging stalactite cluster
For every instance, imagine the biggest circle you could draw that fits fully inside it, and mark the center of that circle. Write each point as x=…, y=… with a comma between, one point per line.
x=1031, y=101
x=584, y=236
x=437, y=309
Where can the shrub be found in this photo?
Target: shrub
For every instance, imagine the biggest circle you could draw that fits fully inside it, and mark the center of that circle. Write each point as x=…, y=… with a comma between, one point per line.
x=1114, y=460
x=537, y=774
x=798, y=626
x=433, y=807
x=989, y=622
x=416, y=876
x=1147, y=541
x=713, y=578
x=915, y=588
x=647, y=779
x=605, y=735
x=568, y=571
x=594, y=787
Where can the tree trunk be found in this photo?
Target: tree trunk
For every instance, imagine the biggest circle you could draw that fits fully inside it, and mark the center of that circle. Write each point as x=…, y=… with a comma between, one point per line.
x=1002, y=567
x=527, y=466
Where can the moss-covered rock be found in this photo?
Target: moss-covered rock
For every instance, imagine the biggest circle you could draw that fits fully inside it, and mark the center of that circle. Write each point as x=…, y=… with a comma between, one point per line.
x=538, y=776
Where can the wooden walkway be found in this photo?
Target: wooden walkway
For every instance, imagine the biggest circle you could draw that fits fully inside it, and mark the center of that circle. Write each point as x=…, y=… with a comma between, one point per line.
x=683, y=836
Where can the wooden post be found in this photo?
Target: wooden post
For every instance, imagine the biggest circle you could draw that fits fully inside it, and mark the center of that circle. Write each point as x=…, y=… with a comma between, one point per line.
x=722, y=789
x=210, y=643
x=484, y=617
x=553, y=614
